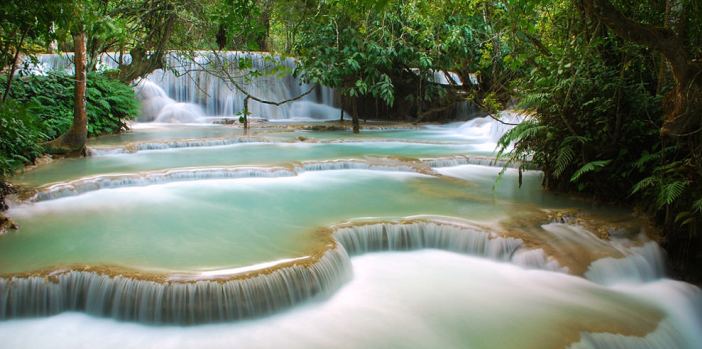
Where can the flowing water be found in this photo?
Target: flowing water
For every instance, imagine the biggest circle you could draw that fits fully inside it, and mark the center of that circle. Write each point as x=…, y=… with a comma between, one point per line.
x=400, y=237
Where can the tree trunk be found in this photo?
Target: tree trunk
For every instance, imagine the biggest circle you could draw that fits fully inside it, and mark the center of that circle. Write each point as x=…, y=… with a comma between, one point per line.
x=246, y=113
x=684, y=103
x=341, y=110
x=265, y=21
x=354, y=116
x=73, y=141
x=11, y=73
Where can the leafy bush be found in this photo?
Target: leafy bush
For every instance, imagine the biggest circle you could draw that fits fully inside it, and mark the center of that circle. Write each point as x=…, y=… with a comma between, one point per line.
x=41, y=109
x=597, y=113
x=20, y=137
x=108, y=102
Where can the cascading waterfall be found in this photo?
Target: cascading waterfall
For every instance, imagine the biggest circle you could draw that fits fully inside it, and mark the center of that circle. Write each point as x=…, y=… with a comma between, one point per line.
x=187, y=93
x=158, y=299
x=634, y=272
x=488, y=128
x=459, y=160
x=465, y=239
x=641, y=264
x=163, y=301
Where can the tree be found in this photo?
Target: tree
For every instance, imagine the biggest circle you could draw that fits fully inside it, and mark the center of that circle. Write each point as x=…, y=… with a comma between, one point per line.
x=73, y=141
x=685, y=101
x=392, y=52
x=22, y=23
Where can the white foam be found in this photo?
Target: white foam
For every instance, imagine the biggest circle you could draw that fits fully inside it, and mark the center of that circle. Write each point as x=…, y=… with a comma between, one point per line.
x=424, y=299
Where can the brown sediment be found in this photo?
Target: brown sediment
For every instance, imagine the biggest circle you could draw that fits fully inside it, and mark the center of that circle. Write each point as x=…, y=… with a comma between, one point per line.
x=21, y=193
x=324, y=242
x=616, y=324
x=38, y=162
x=51, y=274
x=526, y=223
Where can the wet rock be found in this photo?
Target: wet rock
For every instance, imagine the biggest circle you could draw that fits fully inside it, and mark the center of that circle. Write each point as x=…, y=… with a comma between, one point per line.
x=5, y=190
x=6, y=225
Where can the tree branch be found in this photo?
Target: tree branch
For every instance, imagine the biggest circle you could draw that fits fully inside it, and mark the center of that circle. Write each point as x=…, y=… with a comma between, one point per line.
x=661, y=39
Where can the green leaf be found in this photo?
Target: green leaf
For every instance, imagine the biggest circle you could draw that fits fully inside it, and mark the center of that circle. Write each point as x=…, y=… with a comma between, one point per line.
x=671, y=191
x=592, y=166
x=643, y=184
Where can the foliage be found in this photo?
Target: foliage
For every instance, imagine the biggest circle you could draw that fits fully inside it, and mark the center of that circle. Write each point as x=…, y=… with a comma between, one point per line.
x=598, y=114
x=391, y=50
x=20, y=136
x=24, y=27
x=50, y=98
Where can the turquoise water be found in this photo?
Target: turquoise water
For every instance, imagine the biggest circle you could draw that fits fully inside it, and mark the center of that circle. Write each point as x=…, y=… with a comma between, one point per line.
x=212, y=224
x=238, y=154
x=564, y=287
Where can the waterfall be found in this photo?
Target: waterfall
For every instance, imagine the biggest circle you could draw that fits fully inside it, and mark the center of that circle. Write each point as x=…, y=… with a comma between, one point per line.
x=112, y=181
x=460, y=160
x=155, y=298
x=489, y=128
x=214, y=296
x=392, y=237
x=162, y=301
x=641, y=264
x=186, y=92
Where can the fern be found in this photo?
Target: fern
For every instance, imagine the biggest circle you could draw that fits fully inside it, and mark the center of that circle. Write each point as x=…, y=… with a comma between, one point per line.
x=565, y=157
x=643, y=184
x=591, y=166
x=534, y=99
x=697, y=206
x=526, y=130
x=670, y=192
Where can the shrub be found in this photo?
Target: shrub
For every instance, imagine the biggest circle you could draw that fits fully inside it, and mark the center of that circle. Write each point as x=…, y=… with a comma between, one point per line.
x=41, y=109
x=108, y=102
x=20, y=136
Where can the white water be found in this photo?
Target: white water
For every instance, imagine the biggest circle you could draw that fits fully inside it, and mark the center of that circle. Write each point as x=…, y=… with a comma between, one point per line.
x=206, y=301
x=489, y=128
x=186, y=93
x=95, y=183
x=423, y=299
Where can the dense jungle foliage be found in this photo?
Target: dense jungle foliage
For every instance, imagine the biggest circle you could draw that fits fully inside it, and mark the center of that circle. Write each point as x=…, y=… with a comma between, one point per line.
x=40, y=108
x=613, y=87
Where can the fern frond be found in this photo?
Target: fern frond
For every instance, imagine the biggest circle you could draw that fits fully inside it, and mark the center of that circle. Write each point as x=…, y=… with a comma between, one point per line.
x=565, y=157
x=671, y=191
x=697, y=206
x=643, y=184
x=591, y=166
